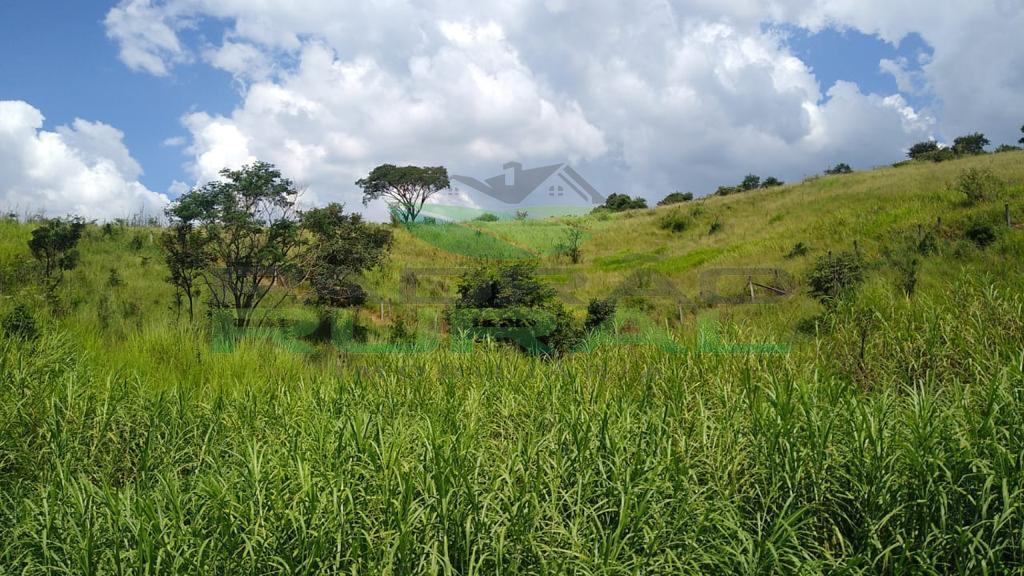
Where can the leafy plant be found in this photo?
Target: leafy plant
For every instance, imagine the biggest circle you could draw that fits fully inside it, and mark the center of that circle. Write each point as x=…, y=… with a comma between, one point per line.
x=487, y=217
x=19, y=324
x=835, y=275
x=54, y=245
x=981, y=233
x=600, y=311
x=798, y=249
x=405, y=188
x=841, y=168
x=676, y=198
x=977, y=184
x=675, y=221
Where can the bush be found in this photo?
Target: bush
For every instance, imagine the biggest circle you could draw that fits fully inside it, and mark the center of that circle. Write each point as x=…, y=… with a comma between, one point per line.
x=921, y=148
x=509, y=303
x=621, y=202
x=771, y=182
x=976, y=184
x=981, y=234
x=835, y=276
x=750, y=182
x=940, y=155
x=1007, y=148
x=487, y=217
x=676, y=198
x=716, y=226
x=19, y=324
x=841, y=168
x=970, y=144
x=521, y=214
x=798, y=249
x=675, y=221
x=599, y=312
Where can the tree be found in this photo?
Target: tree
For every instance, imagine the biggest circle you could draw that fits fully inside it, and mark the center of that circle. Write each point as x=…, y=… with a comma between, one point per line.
x=841, y=168
x=977, y=184
x=247, y=226
x=405, y=188
x=970, y=144
x=750, y=182
x=771, y=182
x=341, y=246
x=622, y=202
x=186, y=258
x=1021, y=141
x=54, y=245
x=676, y=198
x=917, y=151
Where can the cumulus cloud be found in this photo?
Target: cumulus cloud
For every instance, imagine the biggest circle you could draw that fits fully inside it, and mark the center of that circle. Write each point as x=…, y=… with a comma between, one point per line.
x=647, y=96
x=83, y=169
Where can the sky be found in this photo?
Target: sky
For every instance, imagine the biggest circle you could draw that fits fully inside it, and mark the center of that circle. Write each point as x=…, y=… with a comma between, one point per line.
x=112, y=108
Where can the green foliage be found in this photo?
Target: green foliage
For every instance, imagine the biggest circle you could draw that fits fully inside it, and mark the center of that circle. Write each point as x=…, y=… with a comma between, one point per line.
x=940, y=155
x=771, y=182
x=977, y=184
x=54, y=245
x=750, y=182
x=405, y=188
x=247, y=230
x=186, y=256
x=917, y=151
x=971, y=144
x=19, y=324
x=716, y=226
x=600, y=311
x=621, y=202
x=981, y=233
x=487, y=217
x=727, y=190
x=675, y=221
x=1007, y=148
x=676, y=198
x=572, y=243
x=114, y=279
x=799, y=249
x=1021, y=141
x=522, y=214
x=835, y=276
x=341, y=246
x=841, y=168
x=510, y=303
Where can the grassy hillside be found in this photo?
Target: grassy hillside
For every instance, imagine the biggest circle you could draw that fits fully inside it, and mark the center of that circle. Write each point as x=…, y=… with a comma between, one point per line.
x=881, y=436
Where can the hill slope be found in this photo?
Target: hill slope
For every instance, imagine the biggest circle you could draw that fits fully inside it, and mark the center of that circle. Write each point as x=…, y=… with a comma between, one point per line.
x=880, y=435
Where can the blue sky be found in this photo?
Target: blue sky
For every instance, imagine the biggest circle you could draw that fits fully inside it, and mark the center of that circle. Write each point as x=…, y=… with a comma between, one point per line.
x=646, y=102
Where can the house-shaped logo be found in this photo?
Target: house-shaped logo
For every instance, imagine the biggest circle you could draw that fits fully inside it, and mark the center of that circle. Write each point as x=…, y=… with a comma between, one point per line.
x=557, y=183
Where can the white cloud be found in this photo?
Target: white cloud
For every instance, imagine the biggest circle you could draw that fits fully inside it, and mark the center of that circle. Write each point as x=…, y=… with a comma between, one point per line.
x=82, y=169
x=648, y=96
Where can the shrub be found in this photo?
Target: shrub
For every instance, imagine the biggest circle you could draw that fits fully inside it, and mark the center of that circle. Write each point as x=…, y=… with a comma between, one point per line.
x=727, y=190
x=114, y=278
x=521, y=214
x=675, y=221
x=716, y=226
x=841, y=168
x=771, y=182
x=976, y=184
x=750, y=182
x=55, y=245
x=487, y=217
x=1007, y=148
x=599, y=312
x=19, y=324
x=621, y=202
x=508, y=302
x=981, y=234
x=571, y=244
x=940, y=155
x=834, y=276
x=798, y=249
x=676, y=198
x=921, y=148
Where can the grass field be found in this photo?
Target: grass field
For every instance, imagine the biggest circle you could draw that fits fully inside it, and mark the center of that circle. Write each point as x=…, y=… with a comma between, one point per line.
x=884, y=436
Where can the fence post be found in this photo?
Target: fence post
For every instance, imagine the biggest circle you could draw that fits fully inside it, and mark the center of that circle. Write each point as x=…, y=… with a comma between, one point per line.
x=1006, y=212
x=750, y=284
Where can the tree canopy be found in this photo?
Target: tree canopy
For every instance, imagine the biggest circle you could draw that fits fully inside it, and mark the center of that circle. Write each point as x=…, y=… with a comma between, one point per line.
x=54, y=246
x=676, y=198
x=917, y=151
x=405, y=188
x=247, y=229
x=970, y=144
